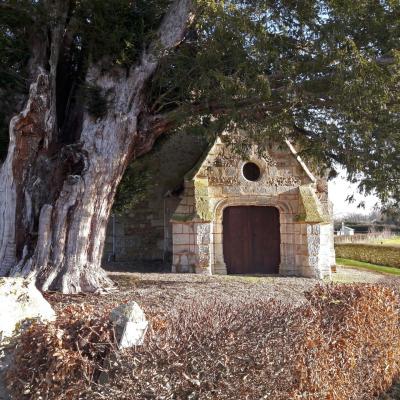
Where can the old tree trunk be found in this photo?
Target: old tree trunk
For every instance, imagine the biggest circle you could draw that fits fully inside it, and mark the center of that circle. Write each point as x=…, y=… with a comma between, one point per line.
x=57, y=190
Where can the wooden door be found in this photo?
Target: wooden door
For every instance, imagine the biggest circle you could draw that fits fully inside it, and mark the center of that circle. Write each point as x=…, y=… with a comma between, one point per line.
x=251, y=240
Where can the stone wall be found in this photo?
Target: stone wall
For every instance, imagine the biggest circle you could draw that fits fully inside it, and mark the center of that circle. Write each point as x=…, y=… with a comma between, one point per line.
x=375, y=254
x=144, y=232
x=320, y=253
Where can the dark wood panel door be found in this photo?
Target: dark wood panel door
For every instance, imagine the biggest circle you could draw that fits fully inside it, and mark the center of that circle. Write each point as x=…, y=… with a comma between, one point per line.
x=251, y=240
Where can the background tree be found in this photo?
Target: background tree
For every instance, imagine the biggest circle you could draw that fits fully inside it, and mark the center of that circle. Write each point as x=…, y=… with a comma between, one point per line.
x=378, y=220
x=106, y=79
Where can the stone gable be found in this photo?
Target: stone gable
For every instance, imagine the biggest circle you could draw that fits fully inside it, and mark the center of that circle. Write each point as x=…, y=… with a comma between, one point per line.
x=283, y=181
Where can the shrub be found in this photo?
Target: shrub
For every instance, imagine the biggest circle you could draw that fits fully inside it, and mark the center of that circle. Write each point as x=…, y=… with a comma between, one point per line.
x=371, y=253
x=62, y=359
x=358, y=341
x=341, y=345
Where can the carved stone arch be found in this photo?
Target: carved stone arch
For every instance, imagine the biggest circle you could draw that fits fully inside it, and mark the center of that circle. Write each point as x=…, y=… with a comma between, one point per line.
x=283, y=206
x=217, y=264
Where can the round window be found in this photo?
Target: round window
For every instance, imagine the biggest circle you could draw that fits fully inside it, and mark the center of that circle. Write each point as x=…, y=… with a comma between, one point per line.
x=251, y=171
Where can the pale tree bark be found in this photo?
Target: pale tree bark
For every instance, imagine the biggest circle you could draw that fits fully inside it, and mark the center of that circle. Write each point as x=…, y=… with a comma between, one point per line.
x=53, y=222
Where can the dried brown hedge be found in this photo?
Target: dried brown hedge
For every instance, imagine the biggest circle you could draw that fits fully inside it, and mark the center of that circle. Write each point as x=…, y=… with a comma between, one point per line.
x=62, y=359
x=343, y=345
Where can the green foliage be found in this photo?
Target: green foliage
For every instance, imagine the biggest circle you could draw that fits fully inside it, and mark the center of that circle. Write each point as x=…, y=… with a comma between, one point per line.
x=310, y=71
x=14, y=56
x=117, y=30
x=322, y=73
x=114, y=32
x=378, y=254
x=133, y=189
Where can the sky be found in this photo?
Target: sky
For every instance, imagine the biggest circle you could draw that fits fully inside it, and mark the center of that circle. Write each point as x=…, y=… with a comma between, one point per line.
x=339, y=189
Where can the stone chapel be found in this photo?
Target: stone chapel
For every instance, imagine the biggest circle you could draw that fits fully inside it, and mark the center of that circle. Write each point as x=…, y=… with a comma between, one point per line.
x=264, y=215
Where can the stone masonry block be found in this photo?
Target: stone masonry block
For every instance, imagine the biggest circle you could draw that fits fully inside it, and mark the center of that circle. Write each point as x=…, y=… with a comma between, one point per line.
x=182, y=238
x=177, y=228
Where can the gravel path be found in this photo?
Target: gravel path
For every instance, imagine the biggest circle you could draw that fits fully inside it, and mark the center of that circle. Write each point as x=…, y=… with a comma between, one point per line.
x=159, y=292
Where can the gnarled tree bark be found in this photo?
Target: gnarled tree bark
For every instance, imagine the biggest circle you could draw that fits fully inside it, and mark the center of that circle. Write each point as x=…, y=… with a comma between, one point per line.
x=55, y=198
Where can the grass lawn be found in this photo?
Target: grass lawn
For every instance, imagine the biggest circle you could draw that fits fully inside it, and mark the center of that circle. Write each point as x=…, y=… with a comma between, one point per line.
x=368, y=266
x=394, y=241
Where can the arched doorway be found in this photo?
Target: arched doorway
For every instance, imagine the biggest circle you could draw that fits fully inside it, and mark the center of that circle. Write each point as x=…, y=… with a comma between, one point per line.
x=251, y=240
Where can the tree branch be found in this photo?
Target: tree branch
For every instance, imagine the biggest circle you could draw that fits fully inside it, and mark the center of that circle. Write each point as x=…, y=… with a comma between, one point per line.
x=150, y=128
x=170, y=34
x=175, y=22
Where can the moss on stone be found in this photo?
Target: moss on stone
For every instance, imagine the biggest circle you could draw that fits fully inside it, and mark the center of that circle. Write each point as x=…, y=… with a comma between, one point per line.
x=201, y=203
x=183, y=217
x=301, y=217
x=312, y=210
x=202, y=199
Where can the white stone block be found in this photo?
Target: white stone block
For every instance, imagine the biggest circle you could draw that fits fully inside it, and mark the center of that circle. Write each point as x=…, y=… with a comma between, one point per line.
x=217, y=228
x=186, y=228
x=217, y=238
x=218, y=250
x=301, y=260
x=220, y=268
x=176, y=228
x=184, y=260
x=130, y=324
x=216, y=191
x=180, y=248
x=20, y=300
x=290, y=238
x=180, y=239
x=203, y=271
x=286, y=269
x=294, y=204
x=290, y=228
x=205, y=239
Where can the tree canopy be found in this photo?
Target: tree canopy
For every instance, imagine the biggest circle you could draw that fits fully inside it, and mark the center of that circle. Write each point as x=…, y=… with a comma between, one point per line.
x=325, y=74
